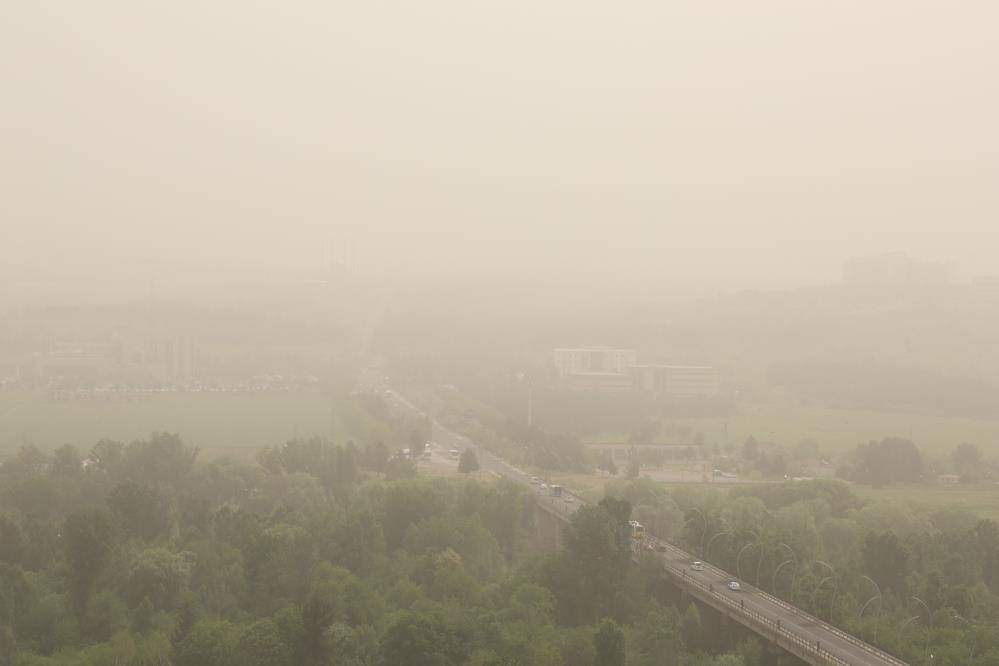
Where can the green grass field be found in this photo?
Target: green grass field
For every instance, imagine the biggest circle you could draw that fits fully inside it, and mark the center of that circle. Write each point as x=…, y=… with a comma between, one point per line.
x=212, y=421
x=839, y=430
x=983, y=499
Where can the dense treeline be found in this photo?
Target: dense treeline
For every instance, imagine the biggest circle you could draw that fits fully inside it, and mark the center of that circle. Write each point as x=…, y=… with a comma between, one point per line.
x=915, y=582
x=139, y=554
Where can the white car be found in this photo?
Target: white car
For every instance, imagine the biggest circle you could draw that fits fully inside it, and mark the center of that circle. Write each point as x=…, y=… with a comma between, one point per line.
x=544, y=486
x=734, y=585
x=697, y=566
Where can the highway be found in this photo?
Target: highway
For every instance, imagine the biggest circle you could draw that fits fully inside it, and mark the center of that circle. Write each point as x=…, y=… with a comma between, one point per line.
x=804, y=635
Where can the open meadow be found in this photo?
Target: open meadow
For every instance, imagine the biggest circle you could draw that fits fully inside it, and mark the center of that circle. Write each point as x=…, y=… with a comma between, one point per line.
x=838, y=430
x=982, y=499
x=218, y=423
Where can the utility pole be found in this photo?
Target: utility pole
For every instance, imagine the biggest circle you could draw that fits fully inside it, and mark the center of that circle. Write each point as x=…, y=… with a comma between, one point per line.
x=530, y=405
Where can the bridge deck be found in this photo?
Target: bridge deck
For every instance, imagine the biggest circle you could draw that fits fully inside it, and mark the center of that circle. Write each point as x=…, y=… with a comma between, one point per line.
x=807, y=637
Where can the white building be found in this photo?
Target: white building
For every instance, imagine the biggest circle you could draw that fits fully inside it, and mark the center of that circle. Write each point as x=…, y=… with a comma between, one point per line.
x=593, y=360
x=678, y=380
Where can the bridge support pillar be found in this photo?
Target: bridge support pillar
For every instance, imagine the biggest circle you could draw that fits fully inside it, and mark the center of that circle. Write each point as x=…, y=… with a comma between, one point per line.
x=773, y=655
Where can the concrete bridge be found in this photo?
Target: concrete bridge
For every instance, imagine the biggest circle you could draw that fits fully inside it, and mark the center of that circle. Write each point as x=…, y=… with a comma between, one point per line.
x=778, y=622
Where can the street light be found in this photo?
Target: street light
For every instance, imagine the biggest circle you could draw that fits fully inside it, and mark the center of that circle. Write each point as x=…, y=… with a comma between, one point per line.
x=759, y=562
x=881, y=603
x=901, y=627
x=707, y=550
x=738, y=559
x=791, y=551
x=818, y=587
x=777, y=571
x=704, y=529
x=832, y=574
x=974, y=636
x=929, y=625
x=794, y=573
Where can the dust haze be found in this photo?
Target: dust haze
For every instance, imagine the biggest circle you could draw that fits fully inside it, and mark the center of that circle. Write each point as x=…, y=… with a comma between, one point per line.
x=472, y=332
x=658, y=141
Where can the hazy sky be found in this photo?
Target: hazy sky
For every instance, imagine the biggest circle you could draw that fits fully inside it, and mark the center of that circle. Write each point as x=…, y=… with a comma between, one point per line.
x=756, y=140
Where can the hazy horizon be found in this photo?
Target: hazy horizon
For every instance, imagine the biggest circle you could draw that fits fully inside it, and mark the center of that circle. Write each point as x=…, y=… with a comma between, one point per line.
x=478, y=140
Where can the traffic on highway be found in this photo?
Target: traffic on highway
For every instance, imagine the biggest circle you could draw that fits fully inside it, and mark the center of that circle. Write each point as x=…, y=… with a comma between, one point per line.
x=803, y=634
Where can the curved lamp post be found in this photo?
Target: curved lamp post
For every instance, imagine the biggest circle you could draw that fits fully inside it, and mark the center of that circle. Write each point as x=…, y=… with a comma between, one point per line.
x=707, y=550
x=738, y=559
x=704, y=526
x=759, y=562
x=901, y=627
x=881, y=603
x=794, y=572
x=777, y=571
x=818, y=587
x=974, y=636
x=929, y=626
x=832, y=574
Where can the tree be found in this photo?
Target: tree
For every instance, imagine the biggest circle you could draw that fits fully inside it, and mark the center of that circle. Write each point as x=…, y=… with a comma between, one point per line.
x=66, y=461
x=750, y=448
x=634, y=467
x=657, y=640
x=887, y=561
x=399, y=468
x=417, y=443
x=892, y=460
x=967, y=461
x=420, y=639
x=608, y=643
x=163, y=459
x=159, y=576
x=606, y=463
x=106, y=456
x=261, y=645
x=8, y=645
x=87, y=538
x=28, y=461
x=987, y=537
x=209, y=642
x=138, y=510
x=376, y=456
x=596, y=557
x=11, y=540
x=468, y=462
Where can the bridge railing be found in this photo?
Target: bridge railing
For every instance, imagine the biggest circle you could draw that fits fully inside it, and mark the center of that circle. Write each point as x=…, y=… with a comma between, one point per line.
x=765, y=623
x=559, y=506
x=853, y=640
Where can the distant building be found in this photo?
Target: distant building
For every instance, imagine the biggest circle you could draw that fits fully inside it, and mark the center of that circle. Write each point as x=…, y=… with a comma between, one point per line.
x=896, y=270
x=621, y=453
x=594, y=368
x=613, y=370
x=593, y=360
x=83, y=360
x=675, y=380
x=607, y=382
